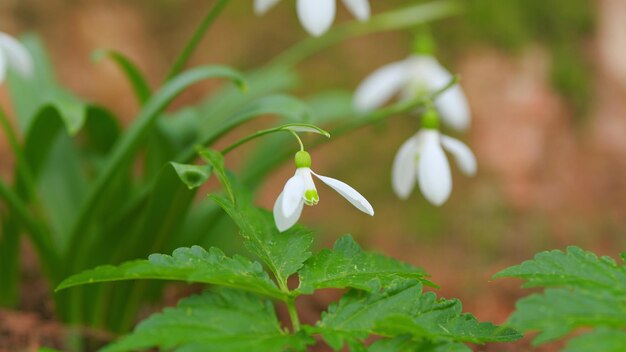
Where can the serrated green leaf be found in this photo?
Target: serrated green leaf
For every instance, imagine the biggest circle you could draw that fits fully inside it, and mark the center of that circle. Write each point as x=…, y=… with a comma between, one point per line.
x=402, y=309
x=216, y=160
x=193, y=176
x=605, y=340
x=406, y=343
x=284, y=253
x=346, y=265
x=186, y=264
x=558, y=312
x=575, y=268
x=224, y=321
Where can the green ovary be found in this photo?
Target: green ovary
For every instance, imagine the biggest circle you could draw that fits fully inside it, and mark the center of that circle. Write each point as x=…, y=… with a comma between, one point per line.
x=311, y=197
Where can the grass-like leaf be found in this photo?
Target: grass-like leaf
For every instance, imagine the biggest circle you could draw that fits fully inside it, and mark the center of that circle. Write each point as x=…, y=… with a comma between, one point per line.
x=586, y=291
x=224, y=321
x=284, y=253
x=406, y=343
x=186, y=264
x=403, y=309
x=347, y=265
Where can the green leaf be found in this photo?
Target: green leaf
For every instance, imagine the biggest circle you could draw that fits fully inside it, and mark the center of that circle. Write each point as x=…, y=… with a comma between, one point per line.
x=605, y=340
x=346, y=265
x=558, y=312
x=574, y=268
x=122, y=155
x=402, y=309
x=406, y=343
x=216, y=160
x=186, y=264
x=131, y=71
x=284, y=253
x=224, y=321
x=591, y=293
x=193, y=176
x=303, y=127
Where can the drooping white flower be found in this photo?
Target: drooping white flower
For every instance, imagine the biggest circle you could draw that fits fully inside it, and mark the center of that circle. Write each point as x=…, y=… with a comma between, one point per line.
x=13, y=56
x=410, y=78
x=300, y=190
x=422, y=160
x=318, y=15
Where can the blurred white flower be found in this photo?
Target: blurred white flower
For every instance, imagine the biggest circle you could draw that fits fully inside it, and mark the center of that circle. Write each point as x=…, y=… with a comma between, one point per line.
x=13, y=55
x=300, y=189
x=318, y=15
x=421, y=159
x=417, y=75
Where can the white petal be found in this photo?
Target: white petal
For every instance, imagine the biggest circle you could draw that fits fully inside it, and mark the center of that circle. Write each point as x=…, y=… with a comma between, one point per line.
x=462, y=154
x=359, y=8
x=3, y=67
x=433, y=170
x=292, y=195
x=381, y=85
x=283, y=222
x=316, y=15
x=453, y=108
x=403, y=172
x=348, y=193
x=262, y=6
x=16, y=55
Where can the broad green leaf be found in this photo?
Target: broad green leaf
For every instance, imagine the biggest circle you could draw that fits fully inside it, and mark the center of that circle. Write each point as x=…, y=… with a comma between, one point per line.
x=131, y=71
x=186, y=264
x=605, y=340
x=406, y=343
x=284, y=253
x=403, y=309
x=346, y=265
x=216, y=160
x=557, y=312
x=574, y=268
x=193, y=176
x=224, y=321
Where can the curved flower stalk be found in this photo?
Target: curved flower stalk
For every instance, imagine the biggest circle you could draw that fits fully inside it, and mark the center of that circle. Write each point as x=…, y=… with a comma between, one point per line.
x=300, y=190
x=421, y=159
x=13, y=55
x=417, y=75
x=318, y=15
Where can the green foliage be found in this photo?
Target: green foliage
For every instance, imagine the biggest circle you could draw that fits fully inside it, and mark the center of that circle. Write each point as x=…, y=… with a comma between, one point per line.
x=387, y=298
x=186, y=264
x=585, y=291
x=346, y=265
x=226, y=320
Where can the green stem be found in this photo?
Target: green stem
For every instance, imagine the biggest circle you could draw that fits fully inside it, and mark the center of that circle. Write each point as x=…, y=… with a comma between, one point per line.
x=392, y=20
x=244, y=140
x=299, y=140
x=184, y=56
x=293, y=314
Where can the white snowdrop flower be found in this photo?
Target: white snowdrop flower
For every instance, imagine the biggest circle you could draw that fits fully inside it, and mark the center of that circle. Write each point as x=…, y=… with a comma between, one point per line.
x=422, y=160
x=417, y=75
x=300, y=190
x=13, y=55
x=318, y=15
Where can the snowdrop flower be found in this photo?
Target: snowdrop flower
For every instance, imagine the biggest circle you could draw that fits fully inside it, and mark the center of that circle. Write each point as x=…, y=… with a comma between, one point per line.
x=318, y=15
x=417, y=75
x=421, y=159
x=13, y=55
x=300, y=190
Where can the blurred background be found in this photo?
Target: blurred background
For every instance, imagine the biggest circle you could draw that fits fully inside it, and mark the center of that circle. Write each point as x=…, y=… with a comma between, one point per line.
x=546, y=82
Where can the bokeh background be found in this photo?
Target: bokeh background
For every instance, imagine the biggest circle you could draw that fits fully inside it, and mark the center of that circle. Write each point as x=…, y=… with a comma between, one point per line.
x=546, y=81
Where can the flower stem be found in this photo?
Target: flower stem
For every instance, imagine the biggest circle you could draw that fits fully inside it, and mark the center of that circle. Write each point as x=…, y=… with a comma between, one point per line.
x=247, y=139
x=193, y=43
x=299, y=140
